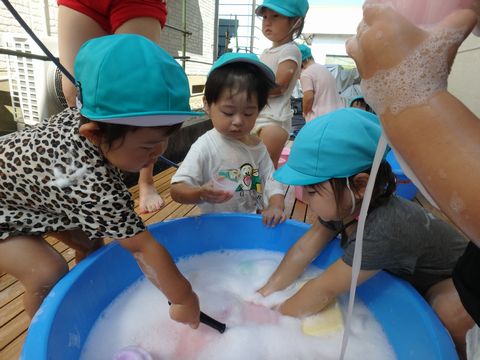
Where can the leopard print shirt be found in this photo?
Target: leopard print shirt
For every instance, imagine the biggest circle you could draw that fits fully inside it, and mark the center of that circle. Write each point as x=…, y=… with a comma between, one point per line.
x=53, y=179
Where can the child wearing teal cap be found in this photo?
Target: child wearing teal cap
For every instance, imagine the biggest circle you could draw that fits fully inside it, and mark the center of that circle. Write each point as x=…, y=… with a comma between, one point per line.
x=64, y=176
x=282, y=22
x=79, y=21
x=331, y=158
x=320, y=94
x=237, y=89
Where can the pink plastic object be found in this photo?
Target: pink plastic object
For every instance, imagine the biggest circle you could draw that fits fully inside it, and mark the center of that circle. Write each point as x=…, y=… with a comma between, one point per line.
x=299, y=193
x=283, y=157
x=424, y=12
x=222, y=183
x=132, y=353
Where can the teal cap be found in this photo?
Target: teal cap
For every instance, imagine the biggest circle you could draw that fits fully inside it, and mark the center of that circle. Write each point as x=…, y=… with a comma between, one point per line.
x=289, y=8
x=358, y=97
x=230, y=57
x=128, y=79
x=336, y=145
x=305, y=51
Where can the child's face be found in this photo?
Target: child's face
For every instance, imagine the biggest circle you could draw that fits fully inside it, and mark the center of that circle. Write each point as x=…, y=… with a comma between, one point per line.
x=321, y=200
x=234, y=114
x=137, y=150
x=276, y=27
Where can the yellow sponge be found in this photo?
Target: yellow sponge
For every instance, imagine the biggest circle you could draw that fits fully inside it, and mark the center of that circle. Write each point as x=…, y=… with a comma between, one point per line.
x=327, y=321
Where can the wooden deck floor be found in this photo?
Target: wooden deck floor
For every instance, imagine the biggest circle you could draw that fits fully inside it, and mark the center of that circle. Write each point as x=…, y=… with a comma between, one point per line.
x=13, y=319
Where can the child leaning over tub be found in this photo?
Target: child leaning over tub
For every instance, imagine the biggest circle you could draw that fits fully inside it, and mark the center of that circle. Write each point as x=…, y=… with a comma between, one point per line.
x=64, y=175
x=236, y=90
x=331, y=158
x=282, y=21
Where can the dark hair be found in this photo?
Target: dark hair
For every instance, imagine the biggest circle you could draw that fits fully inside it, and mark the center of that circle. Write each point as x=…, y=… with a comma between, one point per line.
x=385, y=185
x=239, y=77
x=298, y=28
x=113, y=132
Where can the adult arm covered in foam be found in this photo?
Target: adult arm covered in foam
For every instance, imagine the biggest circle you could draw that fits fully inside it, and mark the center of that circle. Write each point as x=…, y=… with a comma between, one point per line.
x=436, y=135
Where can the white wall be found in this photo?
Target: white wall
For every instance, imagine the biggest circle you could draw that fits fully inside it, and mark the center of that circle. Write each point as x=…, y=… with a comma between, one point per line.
x=464, y=81
x=323, y=45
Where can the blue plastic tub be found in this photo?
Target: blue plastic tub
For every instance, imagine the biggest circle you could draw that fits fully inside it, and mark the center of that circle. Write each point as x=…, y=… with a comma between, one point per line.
x=64, y=321
x=405, y=187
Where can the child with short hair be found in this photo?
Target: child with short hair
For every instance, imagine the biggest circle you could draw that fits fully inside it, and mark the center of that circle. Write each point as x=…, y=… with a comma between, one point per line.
x=331, y=158
x=65, y=175
x=80, y=20
x=282, y=22
x=236, y=90
x=320, y=94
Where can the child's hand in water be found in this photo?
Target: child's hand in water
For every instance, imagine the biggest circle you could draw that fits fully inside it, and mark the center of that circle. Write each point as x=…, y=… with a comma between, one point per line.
x=273, y=215
x=210, y=194
x=187, y=312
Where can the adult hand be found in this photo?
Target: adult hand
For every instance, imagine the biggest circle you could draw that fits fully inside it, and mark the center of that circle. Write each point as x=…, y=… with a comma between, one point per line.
x=385, y=38
x=400, y=64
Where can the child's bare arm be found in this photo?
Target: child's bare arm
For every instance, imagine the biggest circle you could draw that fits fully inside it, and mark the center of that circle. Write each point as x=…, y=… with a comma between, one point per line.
x=184, y=193
x=158, y=266
x=317, y=293
x=286, y=70
x=307, y=102
x=298, y=257
x=275, y=213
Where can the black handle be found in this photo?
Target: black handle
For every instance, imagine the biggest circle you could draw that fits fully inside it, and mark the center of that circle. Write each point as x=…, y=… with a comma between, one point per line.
x=214, y=324
x=209, y=321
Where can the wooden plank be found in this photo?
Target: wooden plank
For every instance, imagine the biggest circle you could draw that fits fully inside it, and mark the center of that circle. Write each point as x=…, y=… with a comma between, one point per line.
x=290, y=201
x=10, y=311
x=13, y=350
x=299, y=211
x=6, y=280
x=13, y=329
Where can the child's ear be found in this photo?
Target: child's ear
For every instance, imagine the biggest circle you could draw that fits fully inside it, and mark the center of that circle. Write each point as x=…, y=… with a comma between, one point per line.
x=92, y=132
x=360, y=184
x=205, y=106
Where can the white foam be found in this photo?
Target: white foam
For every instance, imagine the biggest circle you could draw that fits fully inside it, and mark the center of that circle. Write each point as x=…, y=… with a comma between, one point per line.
x=224, y=282
x=416, y=79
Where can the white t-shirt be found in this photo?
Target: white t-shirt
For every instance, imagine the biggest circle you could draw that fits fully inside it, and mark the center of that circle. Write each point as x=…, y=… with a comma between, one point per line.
x=279, y=107
x=214, y=153
x=318, y=79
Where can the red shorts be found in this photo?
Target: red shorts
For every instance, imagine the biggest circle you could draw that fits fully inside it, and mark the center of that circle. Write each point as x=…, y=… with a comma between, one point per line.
x=111, y=14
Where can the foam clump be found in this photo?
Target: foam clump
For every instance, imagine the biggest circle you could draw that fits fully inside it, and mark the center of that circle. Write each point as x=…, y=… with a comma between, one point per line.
x=416, y=79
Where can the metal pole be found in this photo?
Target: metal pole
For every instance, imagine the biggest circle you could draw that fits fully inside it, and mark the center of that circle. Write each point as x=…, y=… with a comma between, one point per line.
x=252, y=30
x=184, y=25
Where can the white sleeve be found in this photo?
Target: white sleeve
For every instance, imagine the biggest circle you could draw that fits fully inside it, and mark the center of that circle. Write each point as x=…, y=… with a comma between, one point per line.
x=291, y=52
x=272, y=187
x=192, y=167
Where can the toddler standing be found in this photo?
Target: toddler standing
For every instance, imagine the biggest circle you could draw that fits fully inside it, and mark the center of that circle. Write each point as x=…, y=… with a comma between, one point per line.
x=282, y=22
x=236, y=90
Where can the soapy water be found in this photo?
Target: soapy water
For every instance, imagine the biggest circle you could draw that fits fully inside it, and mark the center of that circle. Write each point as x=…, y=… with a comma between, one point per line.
x=226, y=283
